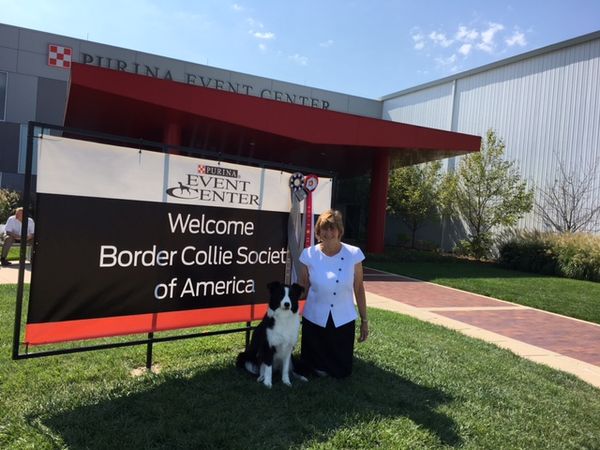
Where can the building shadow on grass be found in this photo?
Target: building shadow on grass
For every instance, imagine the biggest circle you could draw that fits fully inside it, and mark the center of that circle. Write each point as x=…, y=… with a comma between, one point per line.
x=226, y=408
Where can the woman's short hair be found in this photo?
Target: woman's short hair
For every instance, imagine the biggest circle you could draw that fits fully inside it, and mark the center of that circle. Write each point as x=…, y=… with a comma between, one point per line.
x=331, y=218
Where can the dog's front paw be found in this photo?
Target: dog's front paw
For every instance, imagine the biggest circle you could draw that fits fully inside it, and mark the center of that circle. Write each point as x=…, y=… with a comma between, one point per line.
x=267, y=384
x=287, y=382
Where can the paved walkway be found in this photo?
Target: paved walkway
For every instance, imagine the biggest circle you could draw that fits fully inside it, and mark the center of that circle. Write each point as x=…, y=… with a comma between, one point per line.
x=561, y=342
x=10, y=274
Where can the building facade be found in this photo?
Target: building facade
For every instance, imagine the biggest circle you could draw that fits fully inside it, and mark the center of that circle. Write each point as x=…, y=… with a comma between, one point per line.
x=545, y=104
x=33, y=88
x=189, y=107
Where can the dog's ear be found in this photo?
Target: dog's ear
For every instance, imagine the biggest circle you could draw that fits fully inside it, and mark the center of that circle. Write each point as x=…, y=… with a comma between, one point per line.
x=274, y=285
x=296, y=290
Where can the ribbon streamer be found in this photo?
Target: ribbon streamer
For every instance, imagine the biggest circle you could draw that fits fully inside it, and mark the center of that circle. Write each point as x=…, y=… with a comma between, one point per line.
x=295, y=228
x=310, y=184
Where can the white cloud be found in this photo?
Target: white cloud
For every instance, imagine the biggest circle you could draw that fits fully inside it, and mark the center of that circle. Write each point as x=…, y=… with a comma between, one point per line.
x=237, y=8
x=266, y=36
x=326, y=44
x=440, y=39
x=487, y=36
x=485, y=47
x=262, y=47
x=487, y=43
x=465, y=49
x=447, y=49
x=465, y=35
x=517, y=38
x=254, y=23
x=419, y=40
x=298, y=59
x=446, y=61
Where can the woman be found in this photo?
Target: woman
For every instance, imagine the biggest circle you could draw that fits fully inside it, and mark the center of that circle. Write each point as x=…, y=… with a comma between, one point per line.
x=331, y=271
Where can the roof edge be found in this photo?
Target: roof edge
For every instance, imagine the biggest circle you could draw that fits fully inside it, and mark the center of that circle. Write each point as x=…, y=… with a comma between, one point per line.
x=536, y=52
x=292, y=121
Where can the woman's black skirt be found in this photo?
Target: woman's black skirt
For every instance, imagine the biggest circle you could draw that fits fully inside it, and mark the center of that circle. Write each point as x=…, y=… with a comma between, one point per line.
x=328, y=349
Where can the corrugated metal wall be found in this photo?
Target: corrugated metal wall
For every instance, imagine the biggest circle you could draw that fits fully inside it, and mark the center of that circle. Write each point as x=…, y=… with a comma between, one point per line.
x=546, y=107
x=431, y=107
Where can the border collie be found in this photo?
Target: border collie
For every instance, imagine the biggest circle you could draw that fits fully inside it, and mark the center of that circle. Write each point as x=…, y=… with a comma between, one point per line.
x=274, y=338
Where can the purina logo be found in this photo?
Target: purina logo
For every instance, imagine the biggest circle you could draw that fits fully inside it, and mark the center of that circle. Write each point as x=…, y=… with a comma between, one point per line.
x=59, y=56
x=214, y=184
x=219, y=171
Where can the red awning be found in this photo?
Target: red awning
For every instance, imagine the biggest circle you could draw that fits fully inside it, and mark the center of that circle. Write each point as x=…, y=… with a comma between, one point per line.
x=138, y=106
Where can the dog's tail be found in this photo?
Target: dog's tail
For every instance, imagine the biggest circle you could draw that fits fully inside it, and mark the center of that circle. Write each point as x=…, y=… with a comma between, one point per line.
x=244, y=361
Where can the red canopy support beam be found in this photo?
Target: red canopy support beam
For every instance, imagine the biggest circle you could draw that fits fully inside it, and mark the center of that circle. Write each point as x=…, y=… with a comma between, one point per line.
x=378, y=202
x=172, y=135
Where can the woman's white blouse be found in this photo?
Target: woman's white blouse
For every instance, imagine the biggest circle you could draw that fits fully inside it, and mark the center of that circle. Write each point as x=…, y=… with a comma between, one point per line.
x=331, y=284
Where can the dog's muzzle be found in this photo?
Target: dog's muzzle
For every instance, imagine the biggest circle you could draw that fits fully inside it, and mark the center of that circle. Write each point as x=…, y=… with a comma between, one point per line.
x=286, y=305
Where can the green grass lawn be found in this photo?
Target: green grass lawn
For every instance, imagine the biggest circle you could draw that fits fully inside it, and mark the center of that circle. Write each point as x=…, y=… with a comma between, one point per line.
x=14, y=253
x=415, y=386
x=573, y=298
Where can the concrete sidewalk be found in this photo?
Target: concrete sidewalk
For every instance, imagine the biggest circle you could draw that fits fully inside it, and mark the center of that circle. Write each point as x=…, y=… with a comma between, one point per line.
x=560, y=342
x=10, y=274
x=564, y=343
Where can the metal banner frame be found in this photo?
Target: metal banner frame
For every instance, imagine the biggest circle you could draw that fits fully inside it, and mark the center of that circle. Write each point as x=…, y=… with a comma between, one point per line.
x=17, y=354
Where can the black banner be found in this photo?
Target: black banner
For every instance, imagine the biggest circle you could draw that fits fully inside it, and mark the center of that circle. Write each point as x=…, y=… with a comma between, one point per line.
x=98, y=257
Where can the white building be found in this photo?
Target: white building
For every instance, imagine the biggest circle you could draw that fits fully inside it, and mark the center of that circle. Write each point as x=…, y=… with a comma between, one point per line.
x=545, y=104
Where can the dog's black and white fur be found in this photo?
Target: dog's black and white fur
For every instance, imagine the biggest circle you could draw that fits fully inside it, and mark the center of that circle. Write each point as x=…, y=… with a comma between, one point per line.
x=274, y=338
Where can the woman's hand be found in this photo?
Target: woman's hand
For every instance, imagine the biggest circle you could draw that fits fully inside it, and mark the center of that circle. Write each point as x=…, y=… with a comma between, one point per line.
x=364, y=331
x=361, y=302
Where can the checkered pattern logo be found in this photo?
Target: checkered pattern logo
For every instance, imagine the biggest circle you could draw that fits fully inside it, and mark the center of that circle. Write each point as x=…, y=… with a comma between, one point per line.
x=59, y=56
x=201, y=169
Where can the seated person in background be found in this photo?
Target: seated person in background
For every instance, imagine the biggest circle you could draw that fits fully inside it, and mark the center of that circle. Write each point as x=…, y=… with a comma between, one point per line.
x=12, y=233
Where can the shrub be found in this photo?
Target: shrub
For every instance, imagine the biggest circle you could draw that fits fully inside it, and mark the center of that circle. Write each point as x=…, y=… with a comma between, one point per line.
x=403, y=240
x=9, y=200
x=578, y=255
x=428, y=246
x=479, y=246
x=569, y=255
x=528, y=251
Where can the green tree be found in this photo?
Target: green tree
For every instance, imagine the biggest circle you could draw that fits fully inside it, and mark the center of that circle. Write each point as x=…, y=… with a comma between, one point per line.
x=9, y=200
x=413, y=195
x=486, y=192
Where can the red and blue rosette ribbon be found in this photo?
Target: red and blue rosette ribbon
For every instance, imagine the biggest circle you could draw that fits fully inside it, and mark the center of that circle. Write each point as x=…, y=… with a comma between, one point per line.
x=310, y=184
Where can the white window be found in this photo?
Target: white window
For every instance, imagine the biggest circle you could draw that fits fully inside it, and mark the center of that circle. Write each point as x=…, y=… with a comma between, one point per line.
x=23, y=148
x=3, y=82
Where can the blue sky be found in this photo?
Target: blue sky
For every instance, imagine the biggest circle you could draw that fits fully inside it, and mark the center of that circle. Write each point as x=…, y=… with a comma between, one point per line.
x=368, y=48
